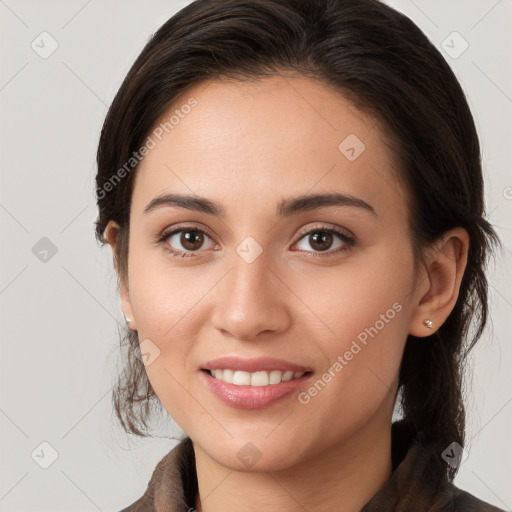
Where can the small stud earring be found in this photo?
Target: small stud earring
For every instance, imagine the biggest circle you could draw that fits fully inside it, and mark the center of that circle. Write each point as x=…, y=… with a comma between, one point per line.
x=428, y=323
x=127, y=320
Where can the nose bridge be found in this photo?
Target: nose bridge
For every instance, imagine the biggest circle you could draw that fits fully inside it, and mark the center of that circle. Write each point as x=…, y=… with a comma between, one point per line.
x=250, y=274
x=249, y=300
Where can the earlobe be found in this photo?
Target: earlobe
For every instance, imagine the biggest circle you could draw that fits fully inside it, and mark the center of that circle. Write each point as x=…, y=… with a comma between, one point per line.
x=111, y=235
x=128, y=314
x=446, y=261
x=428, y=323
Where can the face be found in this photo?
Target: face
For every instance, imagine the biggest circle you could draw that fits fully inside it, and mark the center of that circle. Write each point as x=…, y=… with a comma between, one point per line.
x=300, y=307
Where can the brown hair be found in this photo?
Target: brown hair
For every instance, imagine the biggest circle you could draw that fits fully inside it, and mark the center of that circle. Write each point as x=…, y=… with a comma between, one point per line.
x=380, y=60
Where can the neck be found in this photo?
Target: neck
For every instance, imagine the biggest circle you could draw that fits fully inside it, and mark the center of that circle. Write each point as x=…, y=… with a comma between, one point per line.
x=344, y=478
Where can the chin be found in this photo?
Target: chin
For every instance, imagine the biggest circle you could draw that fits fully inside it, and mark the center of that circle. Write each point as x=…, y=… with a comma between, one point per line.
x=256, y=462
x=254, y=454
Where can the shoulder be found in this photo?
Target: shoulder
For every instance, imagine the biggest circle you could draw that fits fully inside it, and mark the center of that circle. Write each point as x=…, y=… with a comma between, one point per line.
x=463, y=501
x=419, y=480
x=166, y=483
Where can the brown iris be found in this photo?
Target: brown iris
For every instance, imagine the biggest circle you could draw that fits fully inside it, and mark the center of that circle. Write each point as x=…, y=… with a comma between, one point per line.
x=321, y=240
x=192, y=240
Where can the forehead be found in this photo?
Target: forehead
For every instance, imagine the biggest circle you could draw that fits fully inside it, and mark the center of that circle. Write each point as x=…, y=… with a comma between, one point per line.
x=272, y=138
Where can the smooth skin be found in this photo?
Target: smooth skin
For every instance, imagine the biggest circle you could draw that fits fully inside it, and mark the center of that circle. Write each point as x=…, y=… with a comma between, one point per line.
x=248, y=146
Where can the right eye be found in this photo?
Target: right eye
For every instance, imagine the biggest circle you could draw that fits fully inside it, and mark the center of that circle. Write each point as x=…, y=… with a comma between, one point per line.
x=183, y=242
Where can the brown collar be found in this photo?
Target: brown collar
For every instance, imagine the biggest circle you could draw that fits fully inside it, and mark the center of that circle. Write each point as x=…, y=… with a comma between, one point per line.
x=413, y=486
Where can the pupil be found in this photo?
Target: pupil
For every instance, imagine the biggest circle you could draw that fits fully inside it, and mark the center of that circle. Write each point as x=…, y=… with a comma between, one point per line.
x=319, y=238
x=189, y=237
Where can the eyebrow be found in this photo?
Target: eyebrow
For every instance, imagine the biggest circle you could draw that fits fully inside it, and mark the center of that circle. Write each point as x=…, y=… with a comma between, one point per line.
x=286, y=207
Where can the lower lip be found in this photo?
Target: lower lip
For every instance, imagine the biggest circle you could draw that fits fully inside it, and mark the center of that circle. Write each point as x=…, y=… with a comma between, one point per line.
x=252, y=397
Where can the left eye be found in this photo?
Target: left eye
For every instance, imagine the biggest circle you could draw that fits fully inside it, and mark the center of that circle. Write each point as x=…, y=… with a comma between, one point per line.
x=321, y=240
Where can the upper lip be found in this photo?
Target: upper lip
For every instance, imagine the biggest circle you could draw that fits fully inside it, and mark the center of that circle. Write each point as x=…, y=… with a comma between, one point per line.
x=253, y=365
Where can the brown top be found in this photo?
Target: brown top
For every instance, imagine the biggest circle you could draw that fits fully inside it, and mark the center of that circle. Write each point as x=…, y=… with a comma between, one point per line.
x=412, y=487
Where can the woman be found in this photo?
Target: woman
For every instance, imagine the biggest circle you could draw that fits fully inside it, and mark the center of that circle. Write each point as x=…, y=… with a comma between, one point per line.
x=293, y=195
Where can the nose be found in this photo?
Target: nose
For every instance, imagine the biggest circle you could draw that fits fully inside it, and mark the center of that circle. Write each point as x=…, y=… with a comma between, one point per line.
x=251, y=301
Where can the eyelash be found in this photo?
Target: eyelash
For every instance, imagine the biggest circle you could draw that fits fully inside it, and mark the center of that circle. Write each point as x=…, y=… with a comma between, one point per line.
x=348, y=241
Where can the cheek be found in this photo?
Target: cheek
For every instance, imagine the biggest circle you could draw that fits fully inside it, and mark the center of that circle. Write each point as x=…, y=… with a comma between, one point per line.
x=164, y=302
x=362, y=296
x=163, y=297
x=363, y=355
x=367, y=312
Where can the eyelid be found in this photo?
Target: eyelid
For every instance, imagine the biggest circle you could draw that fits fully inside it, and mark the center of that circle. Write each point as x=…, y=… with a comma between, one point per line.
x=167, y=232
x=326, y=226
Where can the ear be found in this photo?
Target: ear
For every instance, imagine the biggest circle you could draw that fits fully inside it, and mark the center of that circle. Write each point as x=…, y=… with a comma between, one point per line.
x=112, y=236
x=439, y=289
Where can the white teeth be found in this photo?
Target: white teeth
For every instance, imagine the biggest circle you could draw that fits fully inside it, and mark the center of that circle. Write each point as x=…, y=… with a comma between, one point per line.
x=287, y=375
x=275, y=376
x=261, y=378
x=227, y=376
x=240, y=378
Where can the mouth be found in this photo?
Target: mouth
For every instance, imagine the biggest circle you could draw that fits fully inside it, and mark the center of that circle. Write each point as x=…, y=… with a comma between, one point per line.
x=258, y=378
x=253, y=383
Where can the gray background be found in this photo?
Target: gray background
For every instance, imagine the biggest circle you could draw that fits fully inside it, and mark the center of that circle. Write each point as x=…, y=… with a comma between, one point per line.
x=59, y=309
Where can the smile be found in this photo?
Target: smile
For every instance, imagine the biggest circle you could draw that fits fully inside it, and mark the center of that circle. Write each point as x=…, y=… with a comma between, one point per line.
x=258, y=378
